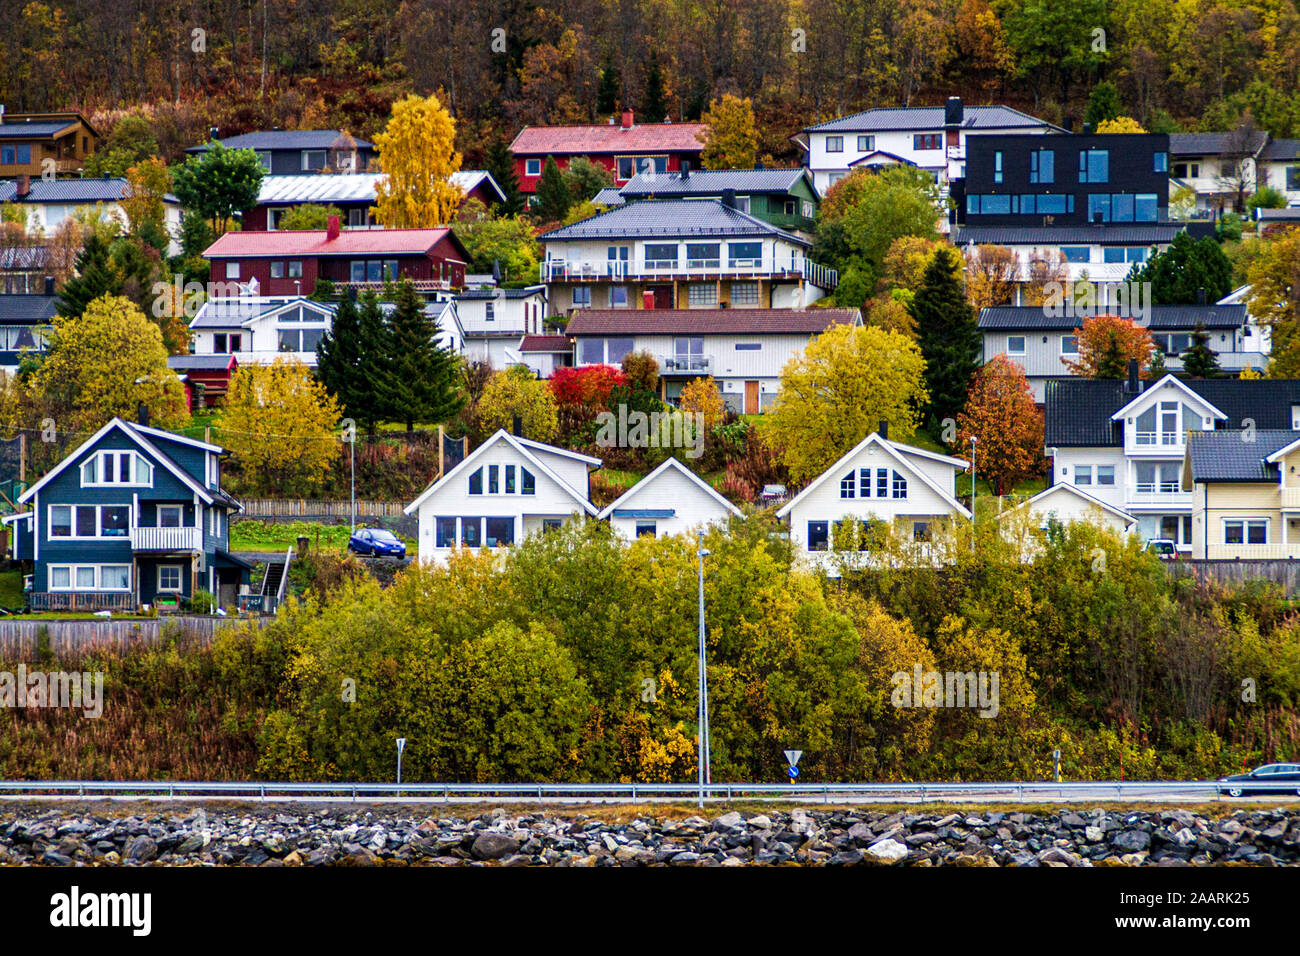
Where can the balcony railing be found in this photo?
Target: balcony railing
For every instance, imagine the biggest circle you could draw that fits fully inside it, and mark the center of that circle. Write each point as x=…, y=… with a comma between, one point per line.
x=685, y=363
x=167, y=539
x=1164, y=439
x=81, y=601
x=1290, y=498
x=421, y=285
x=1254, y=552
x=559, y=270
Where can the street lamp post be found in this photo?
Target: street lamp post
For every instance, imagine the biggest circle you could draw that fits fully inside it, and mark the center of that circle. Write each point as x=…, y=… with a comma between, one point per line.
x=703, y=714
x=350, y=436
x=972, y=495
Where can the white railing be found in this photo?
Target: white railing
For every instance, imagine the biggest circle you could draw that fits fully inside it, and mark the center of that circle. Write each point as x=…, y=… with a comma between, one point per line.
x=554, y=270
x=167, y=539
x=1253, y=552
x=1164, y=439
x=686, y=363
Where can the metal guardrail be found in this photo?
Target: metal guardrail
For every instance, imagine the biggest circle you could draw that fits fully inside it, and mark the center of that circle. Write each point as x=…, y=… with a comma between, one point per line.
x=1014, y=791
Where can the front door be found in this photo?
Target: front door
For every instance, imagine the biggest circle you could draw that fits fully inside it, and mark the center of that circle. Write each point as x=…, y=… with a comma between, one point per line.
x=663, y=296
x=751, y=398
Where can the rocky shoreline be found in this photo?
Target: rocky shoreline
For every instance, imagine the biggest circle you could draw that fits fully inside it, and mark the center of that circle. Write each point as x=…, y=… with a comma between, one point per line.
x=325, y=836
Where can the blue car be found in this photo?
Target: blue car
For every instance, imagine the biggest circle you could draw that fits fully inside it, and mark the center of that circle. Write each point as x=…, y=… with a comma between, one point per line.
x=376, y=542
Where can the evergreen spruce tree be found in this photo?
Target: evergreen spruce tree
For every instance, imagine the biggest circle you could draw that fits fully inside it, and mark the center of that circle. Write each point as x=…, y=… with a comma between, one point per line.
x=655, y=106
x=1199, y=360
x=553, y=195
x=1112, y=360
x=95, y=277
x=610, y=91
x=1189, y=265
x=339, y=358
x=421, y=380
x=374, y=353
x=501, y=164
x=948, y=336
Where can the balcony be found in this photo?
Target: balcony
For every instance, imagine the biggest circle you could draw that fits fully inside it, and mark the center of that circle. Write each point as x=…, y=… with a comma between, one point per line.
x=421, y=285
x=1254, y=552
x=81, y=601
x=1148, y=495
x=167, y=540
x=654, y=270
x=685, y=364
x=1290, y=498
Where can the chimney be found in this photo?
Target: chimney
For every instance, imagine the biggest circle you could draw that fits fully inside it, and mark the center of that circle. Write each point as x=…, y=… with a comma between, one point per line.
x=212, y=132
x=729, y=198
x=518, y=427
x=1067, y=124
x=953, y=112
x=627, y=120
x=686, y=169
x=647, y=299
x=1200, y=296
x=883, y=430
x=332, y=232
x=23, y=186
x=142, y=414
x=1086, y=129
x=2, y=114
x=49, y=285
x=1133, y=385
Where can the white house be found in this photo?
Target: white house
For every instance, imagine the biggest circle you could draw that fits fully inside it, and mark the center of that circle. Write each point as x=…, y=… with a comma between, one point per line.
x=743, y=350
x=495, y=320
x=1123, y=441
x=878, y=481
x=504, y=490
x=670, y=500
x=932, y=138
x=1279, y=167
x=260, y=329
x=1068, y=504
x=48, y=203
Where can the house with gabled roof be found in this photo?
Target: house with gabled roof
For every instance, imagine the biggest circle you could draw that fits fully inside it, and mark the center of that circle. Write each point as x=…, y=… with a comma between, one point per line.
x=505, y=489
x=1245, y=492
x=625, y=148
x=48, y=203
x=24, y=322
x=1067, y=504
x=132, y=516
x=680, y=253
x=670, y=500
x=786, y=198
x=34, y=144
x=877, y=485
x=743, y=350
x=288, y=151
x=1124, y=441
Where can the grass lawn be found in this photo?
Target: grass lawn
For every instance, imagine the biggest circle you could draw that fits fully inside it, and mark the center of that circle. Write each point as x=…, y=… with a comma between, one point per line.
x=11, y=589
x=272, y=536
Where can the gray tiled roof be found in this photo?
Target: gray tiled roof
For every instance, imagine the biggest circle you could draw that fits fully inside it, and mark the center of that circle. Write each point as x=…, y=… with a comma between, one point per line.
x=494, y=293
x=1237, y=455
x=183, y=363
x=29, y=130
x=928, y=118
x=1163, y=317
x=708, y=182
x=233, y=311
x=282, y=139
x=1078, y=410
x=685, y=218
x=1103, y=234
x=27, y=309
x=66, y=190
x=1208, y=144
x=1282, y=149
x=609, y=196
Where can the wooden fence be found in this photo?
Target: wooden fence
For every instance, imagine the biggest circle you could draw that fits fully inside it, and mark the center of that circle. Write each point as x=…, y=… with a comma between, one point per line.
x=1283, y=572
x=317, y=508
x=19, y=639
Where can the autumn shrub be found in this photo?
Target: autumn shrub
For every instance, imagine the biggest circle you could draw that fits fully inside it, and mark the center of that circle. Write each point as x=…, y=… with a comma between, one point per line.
x=586, y=385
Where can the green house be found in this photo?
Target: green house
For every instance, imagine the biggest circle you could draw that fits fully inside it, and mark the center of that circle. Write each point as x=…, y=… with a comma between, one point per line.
x=785, y=198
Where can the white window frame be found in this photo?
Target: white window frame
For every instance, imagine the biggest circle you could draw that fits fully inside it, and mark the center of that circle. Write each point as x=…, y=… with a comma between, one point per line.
x=180, y=516
x=1011, y=344
x=232, y=270
x=180, y=579
x=1246, y=521
x=98, y=571
x=99, y=522
x=532, y=167
x=137, y=460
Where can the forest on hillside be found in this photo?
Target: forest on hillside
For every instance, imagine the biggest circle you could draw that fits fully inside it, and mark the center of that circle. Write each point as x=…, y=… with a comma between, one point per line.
x=501, y=64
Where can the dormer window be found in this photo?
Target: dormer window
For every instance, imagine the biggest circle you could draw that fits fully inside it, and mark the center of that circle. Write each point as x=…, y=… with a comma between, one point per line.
x=123, y=468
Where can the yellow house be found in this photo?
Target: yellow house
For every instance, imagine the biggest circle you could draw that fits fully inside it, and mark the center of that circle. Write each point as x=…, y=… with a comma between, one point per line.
x=1245, y=494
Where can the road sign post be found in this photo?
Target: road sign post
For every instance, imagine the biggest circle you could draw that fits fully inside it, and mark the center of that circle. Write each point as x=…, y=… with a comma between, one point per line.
x=401, y=745
x=792, y=758
x=1056, y=765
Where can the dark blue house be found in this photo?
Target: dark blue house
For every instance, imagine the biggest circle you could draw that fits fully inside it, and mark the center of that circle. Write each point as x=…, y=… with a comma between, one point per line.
x=134, y=515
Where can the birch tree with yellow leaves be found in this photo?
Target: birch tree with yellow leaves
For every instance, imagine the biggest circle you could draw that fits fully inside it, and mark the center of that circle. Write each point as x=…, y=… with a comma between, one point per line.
x=417, y=153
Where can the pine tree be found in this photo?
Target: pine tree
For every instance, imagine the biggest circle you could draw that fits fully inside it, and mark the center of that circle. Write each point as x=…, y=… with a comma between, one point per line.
x=610, y=91
x=655, y=105
x=339, y=358
x=374, y=355
x=948, y=336
x=553, y=195
x=501, y=164
x=421, y=379
x=94, y=277
x=1112, y=358
x=1199, y=360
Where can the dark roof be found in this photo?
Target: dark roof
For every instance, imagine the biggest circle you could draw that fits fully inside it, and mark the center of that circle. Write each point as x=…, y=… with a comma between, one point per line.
x=27, y=309
x=928, y=117
x=711, y=182
x=21, y=258
x=41, y=130
x=708, y=321
x=1104, y=234
x=496, y=293
x=1078, y=410
x=68, y=190
x=686, y=218
x=1227, y=456
x=1282, y=149
x=1284, y=214
x=545, y=343
x=214, y=363
x=1180, y=317
x=283, y=139
x=1208, y=144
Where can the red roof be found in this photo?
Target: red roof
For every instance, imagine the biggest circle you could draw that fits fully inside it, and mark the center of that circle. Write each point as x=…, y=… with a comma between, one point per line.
x=609, y=138
x=316, y=243
x=545, y=343
x=708, y=321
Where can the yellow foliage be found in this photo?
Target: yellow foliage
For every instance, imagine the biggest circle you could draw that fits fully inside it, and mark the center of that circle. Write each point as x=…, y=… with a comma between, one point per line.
x=701, y=395
x=731, y=138
x=1120, y=124
x=418, y=154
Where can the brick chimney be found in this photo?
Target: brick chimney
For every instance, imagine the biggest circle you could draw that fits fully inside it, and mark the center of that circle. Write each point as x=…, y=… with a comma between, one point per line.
x=627, y=120
x=647, y=299
x=332, y=232
x=23, y=186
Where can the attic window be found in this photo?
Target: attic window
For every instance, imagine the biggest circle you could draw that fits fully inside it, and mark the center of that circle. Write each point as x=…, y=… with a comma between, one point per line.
x=116, y=468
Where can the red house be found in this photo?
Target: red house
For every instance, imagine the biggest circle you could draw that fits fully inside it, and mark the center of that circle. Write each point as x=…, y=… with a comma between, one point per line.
x=624, y=149
x=289, y=263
